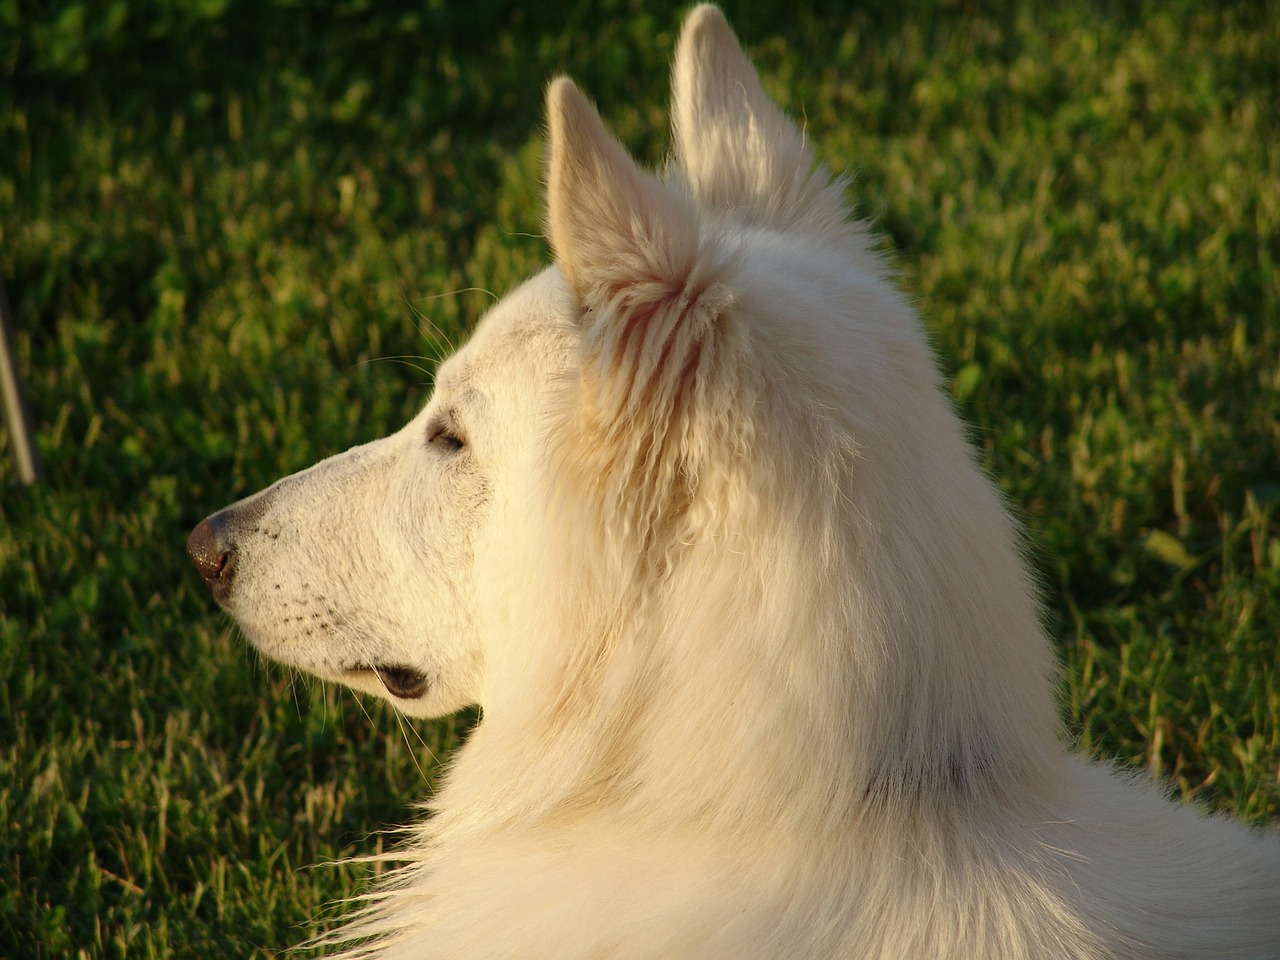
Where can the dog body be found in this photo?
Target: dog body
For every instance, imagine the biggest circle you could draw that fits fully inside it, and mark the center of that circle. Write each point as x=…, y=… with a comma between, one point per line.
x=761, y=669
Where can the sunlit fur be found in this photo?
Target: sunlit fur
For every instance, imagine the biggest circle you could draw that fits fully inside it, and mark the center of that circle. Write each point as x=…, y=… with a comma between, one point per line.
x=760, y=665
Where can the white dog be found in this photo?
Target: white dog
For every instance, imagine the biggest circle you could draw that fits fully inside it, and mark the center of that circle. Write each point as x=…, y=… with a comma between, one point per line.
x=762, y=673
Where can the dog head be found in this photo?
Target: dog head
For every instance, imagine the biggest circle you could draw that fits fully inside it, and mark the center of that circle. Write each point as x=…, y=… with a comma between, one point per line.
x=620, y=376
x=712, y=433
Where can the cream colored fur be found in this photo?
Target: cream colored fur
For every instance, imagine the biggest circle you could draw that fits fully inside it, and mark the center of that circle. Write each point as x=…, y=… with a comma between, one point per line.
x=761, y=669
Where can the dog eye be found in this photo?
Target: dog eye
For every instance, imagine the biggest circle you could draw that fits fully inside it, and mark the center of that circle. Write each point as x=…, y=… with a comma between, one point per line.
x=440, y=436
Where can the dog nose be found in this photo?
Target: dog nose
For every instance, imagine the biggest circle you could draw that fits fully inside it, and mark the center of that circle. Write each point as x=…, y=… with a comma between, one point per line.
x=210, y=549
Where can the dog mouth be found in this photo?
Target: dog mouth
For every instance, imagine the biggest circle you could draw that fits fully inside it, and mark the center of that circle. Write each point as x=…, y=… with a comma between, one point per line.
x=403, y=683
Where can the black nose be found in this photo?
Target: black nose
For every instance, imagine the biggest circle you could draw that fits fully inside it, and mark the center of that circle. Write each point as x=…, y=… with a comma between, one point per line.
x=212, y=551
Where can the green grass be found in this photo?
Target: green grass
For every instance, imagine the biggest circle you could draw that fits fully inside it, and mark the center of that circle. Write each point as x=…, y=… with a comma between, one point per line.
x=217, y=219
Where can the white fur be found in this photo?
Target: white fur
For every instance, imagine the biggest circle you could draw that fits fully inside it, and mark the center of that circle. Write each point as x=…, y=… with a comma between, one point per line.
x=761, y=669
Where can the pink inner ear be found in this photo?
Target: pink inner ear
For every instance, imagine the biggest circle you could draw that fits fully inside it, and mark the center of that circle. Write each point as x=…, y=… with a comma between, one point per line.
x=647, y=352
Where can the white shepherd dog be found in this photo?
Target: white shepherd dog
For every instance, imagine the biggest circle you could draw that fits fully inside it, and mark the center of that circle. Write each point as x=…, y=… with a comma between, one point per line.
x=761, y=667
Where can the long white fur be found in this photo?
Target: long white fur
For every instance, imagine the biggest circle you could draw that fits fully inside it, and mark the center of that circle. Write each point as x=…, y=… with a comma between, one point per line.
x=761, y=667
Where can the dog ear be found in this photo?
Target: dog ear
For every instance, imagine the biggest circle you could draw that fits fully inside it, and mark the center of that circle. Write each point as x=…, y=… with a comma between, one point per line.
x=660, y=360
x=615, y=229
x=738, y=151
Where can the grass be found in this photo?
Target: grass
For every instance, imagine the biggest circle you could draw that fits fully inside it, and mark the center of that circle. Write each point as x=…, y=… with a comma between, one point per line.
x=219, y=219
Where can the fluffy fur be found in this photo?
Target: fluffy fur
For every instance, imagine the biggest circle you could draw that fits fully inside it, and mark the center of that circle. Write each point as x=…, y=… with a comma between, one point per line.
x=761, y=668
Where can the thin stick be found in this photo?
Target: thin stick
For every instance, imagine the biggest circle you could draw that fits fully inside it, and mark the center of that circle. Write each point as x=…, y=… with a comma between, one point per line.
x=17, y=413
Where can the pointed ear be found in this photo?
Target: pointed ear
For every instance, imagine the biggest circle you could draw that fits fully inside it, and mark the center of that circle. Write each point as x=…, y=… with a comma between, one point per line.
x=611, y=224
x=660, y=357
x=738, y=151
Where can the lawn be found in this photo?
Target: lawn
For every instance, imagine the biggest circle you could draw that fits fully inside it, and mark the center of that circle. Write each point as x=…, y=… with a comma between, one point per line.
x=237, y=235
